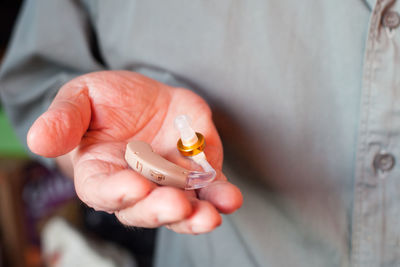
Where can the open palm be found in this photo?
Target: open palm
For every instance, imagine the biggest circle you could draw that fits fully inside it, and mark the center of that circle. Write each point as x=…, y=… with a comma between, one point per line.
x=92, y=119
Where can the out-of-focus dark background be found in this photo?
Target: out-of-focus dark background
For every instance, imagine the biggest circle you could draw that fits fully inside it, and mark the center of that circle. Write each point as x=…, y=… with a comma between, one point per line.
x=9, y=145
x=8, y=14
x=42, y=223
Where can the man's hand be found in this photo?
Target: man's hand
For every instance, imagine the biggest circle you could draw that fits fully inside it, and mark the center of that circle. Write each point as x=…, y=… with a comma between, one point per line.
x=91, y=120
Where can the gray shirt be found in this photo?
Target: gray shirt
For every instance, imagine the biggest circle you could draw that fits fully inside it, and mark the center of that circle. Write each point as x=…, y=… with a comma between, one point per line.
x=305, y=95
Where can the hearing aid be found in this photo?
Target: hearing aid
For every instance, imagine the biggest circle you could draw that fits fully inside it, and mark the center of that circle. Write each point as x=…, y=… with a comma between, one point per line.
x=140, y=157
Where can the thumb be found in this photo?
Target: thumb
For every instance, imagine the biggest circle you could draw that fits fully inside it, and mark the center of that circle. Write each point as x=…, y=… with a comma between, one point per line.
x=61, y=127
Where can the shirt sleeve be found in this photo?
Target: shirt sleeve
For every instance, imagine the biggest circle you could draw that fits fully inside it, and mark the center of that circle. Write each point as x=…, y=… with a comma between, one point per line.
x=52, y=43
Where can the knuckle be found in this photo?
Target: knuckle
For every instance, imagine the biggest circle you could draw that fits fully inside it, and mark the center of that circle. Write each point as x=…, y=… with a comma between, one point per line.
x=82, y=195
x=83, y=192
x=122, y=218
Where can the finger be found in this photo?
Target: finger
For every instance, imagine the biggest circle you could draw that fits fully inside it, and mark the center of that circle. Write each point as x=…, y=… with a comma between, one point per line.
x=225, y=196
x=109, y=186
x=164, y=205
x=61, y=127
x=204, y=219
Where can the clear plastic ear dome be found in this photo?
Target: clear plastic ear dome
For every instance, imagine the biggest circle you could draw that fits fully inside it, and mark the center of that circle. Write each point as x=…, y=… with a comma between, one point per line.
x=188, y=135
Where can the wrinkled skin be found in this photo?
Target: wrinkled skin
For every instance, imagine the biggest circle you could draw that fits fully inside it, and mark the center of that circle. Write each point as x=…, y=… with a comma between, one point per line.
x=90, y=122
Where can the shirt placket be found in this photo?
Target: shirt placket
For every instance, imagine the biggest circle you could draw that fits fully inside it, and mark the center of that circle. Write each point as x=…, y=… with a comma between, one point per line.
x=376, y=209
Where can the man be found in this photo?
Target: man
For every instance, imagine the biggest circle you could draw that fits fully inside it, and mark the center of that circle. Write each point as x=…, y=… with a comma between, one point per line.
x=309, y=124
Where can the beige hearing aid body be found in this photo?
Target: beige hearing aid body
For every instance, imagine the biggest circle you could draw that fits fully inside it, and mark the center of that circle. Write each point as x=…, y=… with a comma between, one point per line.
x=142, y=159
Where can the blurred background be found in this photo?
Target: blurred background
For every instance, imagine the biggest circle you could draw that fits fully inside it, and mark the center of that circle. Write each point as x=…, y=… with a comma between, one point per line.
x=42, y=223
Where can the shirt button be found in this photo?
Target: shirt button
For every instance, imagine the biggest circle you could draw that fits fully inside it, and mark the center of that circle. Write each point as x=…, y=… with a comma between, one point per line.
x=391, y=19
x=384, y=162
